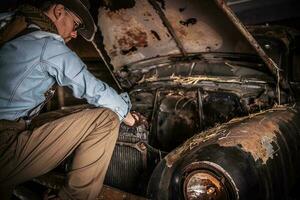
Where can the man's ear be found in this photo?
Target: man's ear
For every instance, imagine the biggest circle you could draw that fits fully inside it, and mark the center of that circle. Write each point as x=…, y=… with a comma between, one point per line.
x=58, y=11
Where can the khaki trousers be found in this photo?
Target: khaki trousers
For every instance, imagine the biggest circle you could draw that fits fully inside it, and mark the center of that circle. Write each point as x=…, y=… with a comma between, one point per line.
x=90, y=134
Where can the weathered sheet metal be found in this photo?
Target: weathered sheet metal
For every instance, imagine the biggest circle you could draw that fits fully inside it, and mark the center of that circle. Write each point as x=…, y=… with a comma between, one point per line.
x=255, y=134
x=139, y=28
x=173, y=27
x=260, y=151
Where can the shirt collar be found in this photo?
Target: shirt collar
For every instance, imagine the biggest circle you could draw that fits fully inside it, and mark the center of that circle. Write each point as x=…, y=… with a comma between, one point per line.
x=42, y=34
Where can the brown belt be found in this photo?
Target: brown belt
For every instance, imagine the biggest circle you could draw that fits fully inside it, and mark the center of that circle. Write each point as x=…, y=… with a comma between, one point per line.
x=9, y=131
x=14, y=126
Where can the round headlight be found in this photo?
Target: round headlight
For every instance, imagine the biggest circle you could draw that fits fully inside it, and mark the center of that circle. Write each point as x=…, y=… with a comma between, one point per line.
x=203, y=185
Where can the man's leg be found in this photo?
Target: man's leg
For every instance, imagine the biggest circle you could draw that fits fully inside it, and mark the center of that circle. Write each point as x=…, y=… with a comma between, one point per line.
x=90, y=133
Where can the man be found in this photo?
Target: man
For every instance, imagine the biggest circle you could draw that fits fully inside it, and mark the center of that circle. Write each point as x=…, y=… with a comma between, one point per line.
x=30, y=64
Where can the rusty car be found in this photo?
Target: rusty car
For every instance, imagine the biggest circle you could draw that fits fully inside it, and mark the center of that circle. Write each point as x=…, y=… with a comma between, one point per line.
x=220, y=100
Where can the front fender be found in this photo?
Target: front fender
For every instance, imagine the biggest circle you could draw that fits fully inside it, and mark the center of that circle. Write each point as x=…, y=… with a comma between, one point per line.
x=260, y=153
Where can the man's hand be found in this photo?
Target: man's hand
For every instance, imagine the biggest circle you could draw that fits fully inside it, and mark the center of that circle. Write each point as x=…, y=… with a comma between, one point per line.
x=135, y=119
x=129, y=120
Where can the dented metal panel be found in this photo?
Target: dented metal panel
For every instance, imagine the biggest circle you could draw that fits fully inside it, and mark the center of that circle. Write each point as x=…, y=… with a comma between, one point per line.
x=149, y=29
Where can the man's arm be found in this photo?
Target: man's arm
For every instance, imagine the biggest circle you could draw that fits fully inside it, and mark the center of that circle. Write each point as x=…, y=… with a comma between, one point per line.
x=68, y=70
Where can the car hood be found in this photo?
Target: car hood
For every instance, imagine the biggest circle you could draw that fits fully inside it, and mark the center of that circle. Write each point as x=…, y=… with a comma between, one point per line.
x=143, y=29
x=132, y=31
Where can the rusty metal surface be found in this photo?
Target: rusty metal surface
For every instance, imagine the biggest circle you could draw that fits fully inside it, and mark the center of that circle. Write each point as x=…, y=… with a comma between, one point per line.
x=139, y=28
x=168, y=25
x=139, y=32
x=256, y=134
x=259, y=152
x=261, y=140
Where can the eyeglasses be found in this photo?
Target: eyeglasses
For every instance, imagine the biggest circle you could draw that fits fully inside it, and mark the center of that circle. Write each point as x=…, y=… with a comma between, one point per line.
x=77, y=25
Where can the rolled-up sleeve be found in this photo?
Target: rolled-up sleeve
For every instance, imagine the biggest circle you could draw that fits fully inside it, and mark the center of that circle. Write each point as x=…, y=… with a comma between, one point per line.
x=68, y=70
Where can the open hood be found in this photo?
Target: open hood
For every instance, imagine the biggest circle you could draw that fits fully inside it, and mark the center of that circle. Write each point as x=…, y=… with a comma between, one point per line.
x=135, y=30
x=144, y=29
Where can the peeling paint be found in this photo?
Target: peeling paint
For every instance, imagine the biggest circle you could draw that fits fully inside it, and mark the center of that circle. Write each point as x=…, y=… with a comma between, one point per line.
x=259, y=141
x=133, y=34
x=190, y=21
x=180, y=27
x=244, y=133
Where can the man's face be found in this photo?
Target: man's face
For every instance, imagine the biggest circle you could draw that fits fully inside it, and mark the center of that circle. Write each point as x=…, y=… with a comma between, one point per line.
x=67, y=23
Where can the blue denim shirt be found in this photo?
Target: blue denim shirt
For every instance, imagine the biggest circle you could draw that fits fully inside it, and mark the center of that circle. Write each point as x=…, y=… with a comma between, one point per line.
x=32, y=63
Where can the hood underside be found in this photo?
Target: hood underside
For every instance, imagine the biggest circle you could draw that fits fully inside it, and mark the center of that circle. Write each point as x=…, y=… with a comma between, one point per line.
x=144, y=29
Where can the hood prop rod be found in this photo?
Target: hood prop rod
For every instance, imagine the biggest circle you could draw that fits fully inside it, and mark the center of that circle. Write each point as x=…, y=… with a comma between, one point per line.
x=107, y=65
x=272, y=66
x=168, y=26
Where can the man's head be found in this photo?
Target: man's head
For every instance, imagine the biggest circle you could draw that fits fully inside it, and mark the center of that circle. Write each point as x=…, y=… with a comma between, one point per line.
x=70, y=17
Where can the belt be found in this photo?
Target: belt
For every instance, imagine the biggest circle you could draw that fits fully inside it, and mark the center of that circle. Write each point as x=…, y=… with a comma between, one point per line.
x=9, y=131
x=15, y=126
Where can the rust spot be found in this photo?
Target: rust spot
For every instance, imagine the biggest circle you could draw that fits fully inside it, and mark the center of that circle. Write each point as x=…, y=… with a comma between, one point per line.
x=132, y=40
x=182, y=32
x=123, y=41
x=109, y=14
x=139, y=37
x=148, y=14
x=155, y=34
x=132, y=49
x=117, y=15
x=190, y=21
x=261, y=140
x=113, y=53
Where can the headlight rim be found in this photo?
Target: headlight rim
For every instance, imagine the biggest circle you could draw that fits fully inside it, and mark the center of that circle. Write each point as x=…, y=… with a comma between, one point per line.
x=213, y=170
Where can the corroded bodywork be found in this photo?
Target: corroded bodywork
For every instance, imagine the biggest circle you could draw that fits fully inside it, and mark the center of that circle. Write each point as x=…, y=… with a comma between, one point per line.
x=256, y=134
x=258, y=152
x=157, y=28
x=195, y=71
x=152, y=28
x=222, y=118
